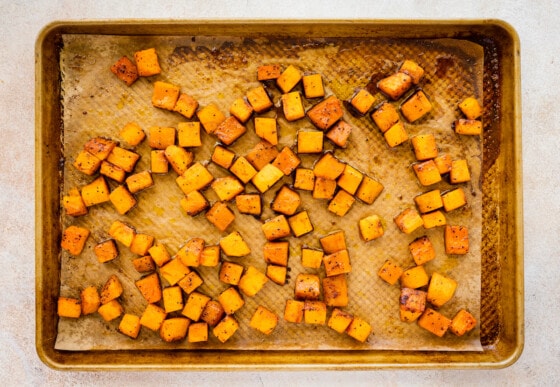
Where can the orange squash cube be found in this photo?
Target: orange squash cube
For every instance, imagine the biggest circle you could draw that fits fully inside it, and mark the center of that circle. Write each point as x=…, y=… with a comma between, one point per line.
x=243, y=169
x=231, y=300
x=227, y=188
x=74, y=239
x=286, y=201
x=429, y=201
x=220, y=216
x=433, y=219
x=328, y=167
x=413, y=70
x=150, y=288
x=341, y=203
x=369, y=190
x=241, y=109
x=335, y=290
x=359, y=329
x=252, y=281
x=315, y=312
x=165, y=95
x=259, y=99
x=434, y=322
x=385, y=116
x=307, y=287
x=300, y=224
x=188, y=134
x=198, y=332
x=172, y=299
x=139, y=181
x=159, y=254
x=74, y=204
x=414, y=278
x=292, y=106
x=225, y=328
x=324, y=188
x=337, y=263
x=100, y=147
x=441, y=289
x=396, y=135
x=276, y=228
x=125, y=70
x=68, y=307
x=195, y=178
x=210, y=117
x=264, y=320
x=293, y=311
x=122, y=232
x=87, y=163
x=326, y=113
x=462, y=323
x=230, y=273
x=186, y=105
x=194, y=203
x=268, y=72
x=311, y=258
x=427, y=172
x=309, y=141
x=471, y=108
x=313, y=86
x=267, y=177
x=339, y=133
x=286, y=161
x=266, y=128
x=174, y=329
x=339, y=320
x=190, y=252
x=350, y=179
x=416, y=107
x=371, y=228
x=333, y=242
x=390, y=272
x=110, y=310
x=422, y=250
x=262, y=154
x=90, y=300
x=289, y=78
x=153, y=317
x=362, y=101
x=459, y=172
x=144, y=264
x=210, y=256
x=96, y=192
x=304, y=179
x=408, y=220
x=276, y=253
x=468, y=127
x=277, y=274
x=233, y=245
x=250, y=204
x=212, y=313
x=147, y=62
x=443, y=163
x=122, y=199
x=132, y=134
x=123, y=158
x=223, y=157
x=454, y=199
x=395, y=85
x=195, y=305
x=456, y=240
x=424, y=146
x=229, y=130
x=412, y=303
x=190, y=282
x=158, y=162
x=106, y=251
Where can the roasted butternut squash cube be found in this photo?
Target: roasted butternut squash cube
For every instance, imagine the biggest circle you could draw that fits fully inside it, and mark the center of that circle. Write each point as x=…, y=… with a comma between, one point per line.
x=396, y=135
x=429, y=201
x=339, y=320
x=243, y=169
x=153, y=317
x=427, y=172
x=147, y=62
x=315, y=312
x=186, y=105
x=293, y=311
x=231, y=300
x=326, y=113
x=300, y=224
x=337, y=263
x=191, y=252
x=468, y=127
x=249, y=204
x=110, y=310
x=194, y=203
x=371, y=228
x=132, y=134
x=341, y=203
x=276, y=253
x=160, y=137
x=212, y=313
x=425, y=147
x=100, y=147
x=324, y=188
x=443, y=163
x=123, y=158
x=471, y=108
x=150, y=288
x=87, y=163
x=416, y=107
x=139, y=181
x=433, y=219
x=267, y=177
x=412, y=303
x=434, y=322
x=456, y=240
x=96, y=192
x=459, y=172
x=210, y=117
x=276, y=228
x=268, y=72
x=408, y=220
x=196, y=302
x=286, y=201
x=339, y=133
x=454, y=199
x=441, y=289
x=165, y=95
x=122, y=199
x=174, y=329
x=414, y=278
x=266, y=128
x=130, y=325
x=190, y=282
x=223, y=157
x=198, y=332
x=68, y=307
x=125, y=70
x=311, y=258
x=335, y=290
x=74, y=239
x=277, y=274
x=252, y=281
x=292, y=106
x=106, y=251
x=289, y=78
x=328, y=167
x=188, y=134
x=368, y=190
x=359, y=329
x=233, y=245
x=174, y=271
x=304, y=179
x=229, y=130
x=307, y=287
x=413, y=69
x=225, y=328
x=172, y=299
x=259, y=99
x=385, y=116
x=262, y=154
x=333, y=242
x=395, y=85
x=144, y=264
x=309, y=141
x=90, y=300
x=158, y=161
x=390, y=272
x=210, y=256
x=422, y=250
x=241, y=109
x=74, y=204
x=462, y=323
x=287, y=161
x=195, y=178
x=264, y=320
x=220, y=215
x=122, y=232
x=350, y=179
x=159, y=254
x=112, y=289
x=227, y=188
x=362, y=101
x=230, y=273
x=313, y=86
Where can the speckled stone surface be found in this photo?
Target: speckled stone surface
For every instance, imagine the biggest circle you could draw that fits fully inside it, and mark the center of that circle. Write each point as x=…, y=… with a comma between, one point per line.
x=538, y=29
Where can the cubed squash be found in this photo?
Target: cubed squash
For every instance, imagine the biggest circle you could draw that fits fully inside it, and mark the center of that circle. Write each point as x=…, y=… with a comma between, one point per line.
x=427, y=172
x=165, y=95
x=267, y=177
x=266, y=128
x=434, y=219
x=90, y=300
x=369, y=190
x=443, y=163
x=191, y=252
x=471, y=108
x=233, y=245
x=123, y=158
x=276, y=253
x=362, y=101
x=422, y=250
x=468, y=127
x=74, y=239
x=172, y=299
x=434, y=322
x=241, y=109
x=153, y=317
x=408, y=220
x=414, y=278
x=359, y=329
x=310, y=141
x=339, y=320
x=231, y=300
x=371, y=228
x=194, y=203
x=250, y=204
x=350, y=179
x=188, y=134
x=454, y=199
x=416, y=106
x=125, y=70
x=396, y=135
x=212, y=313
x=286, y=201
x=150, y=288
x=159, y=254
x=429, y=201
x=227, y=188
x=268, y=72
x=326, y=113
x=390, y=272
x=174, y=329
x=286, y=161
x=341, y=203
x=198, y=332
x=459, y=172
x=100, y=147
x=139, y=181
x=337, y=263
x=111, y=290
x=225, y=328
x=229, y=130
x=300, y=224
x=441, y=289
x=210, y=117
x=264, y=320
x=339, y=133
x=335, y=290
x=307, y=287
x=106, y=251
x=210, y=256
x=243, y=169
x=412, y=303
x=413, y=69
x=324, y=188
x=262, y=154
x=259, y=99
x=195, y=178
x=87, y=163
x=328, y=167
x=293, y=311
x=230, y=273
x=130, y=325
x=186, y=105
x=425, y=147
x=277, y=274
x=315, y=312
x=223, y=157
x=311, y=258
x=147, y=62
x=122, y=199
x=144, y=264
x=110, y=310
x=96, y=192
x=276, y=228
x=132, y=134
x=456, y=240
x=190, y=282
x=196, y=302
x=158, y=161
x=313, y=86
x=122, y=232
x=289, y=78
x=395, y=85
x=333, y=242
x=385, y=116
x=304, y=179
x=68, y=307
x=462, y=323
x=292, y=106
x=74, y=204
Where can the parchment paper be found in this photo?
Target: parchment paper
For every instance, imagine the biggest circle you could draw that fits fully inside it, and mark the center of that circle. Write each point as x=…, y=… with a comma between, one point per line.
x=219, y=70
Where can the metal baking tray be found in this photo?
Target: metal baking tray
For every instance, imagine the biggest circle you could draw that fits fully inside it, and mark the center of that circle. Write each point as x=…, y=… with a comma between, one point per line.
x=501, y=313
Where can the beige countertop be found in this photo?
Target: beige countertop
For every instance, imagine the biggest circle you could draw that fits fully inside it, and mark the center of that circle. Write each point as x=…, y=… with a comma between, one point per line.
x=538, y=30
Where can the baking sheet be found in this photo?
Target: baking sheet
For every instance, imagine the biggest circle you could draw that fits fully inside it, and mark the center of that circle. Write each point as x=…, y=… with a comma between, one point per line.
x=219, y=70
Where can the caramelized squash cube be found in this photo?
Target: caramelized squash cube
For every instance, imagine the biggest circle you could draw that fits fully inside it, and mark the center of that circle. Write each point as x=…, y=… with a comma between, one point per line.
x=313, y=86
x=339, y=133
x=198, y=332
x=350, y=179
x=286, y=201
x=335, y=290
x=132, y=134
x=422, y=250
x=315, y=312
x=341, y=203
x=370, y=228
x=231, y=300
x=268, y=72
x=311, y=258
x=333, y=242
x=147, y=62
x=139, y=181
x=130, y=325
x=267, y=177
x=210, y=256
x=262, y=154
x=433, y=219
x=195, y=306
x=326, y=113
x=416, y=107
x=413, y=69
x=100, y=147
x=150, y=288
x=329, y=167
x=396, y=135
x=395, y=85
x=471, y=108
x=414, y=278
x=195, y=178
x=292, y=106
x=194, y=203
x=125, y=70
x=307, y=287
x=172, y=299
x=369, y=190
x=427, y=172
x=223, y=157
x=210, y=117
x=220, y=215
x=243, y=169
x=229, y=130
x=408, y=220
x=74, y=204
x=293, y=311
x=158, y=161
x=225, y=328
x=230, y=273
x=277, y=274
x=249, y=204
x=174, y=329
x=181, y=160
x=304, y=179
x=264, y=320
x=309, y=141
x=468, y=127
x=106, y=251
x=276, y=228
x=337, y=263
x=186, y=105
x=153, y=317
x=259, y=99
x=462, y=323
x=339, y=320
x=241, y=109
x=286, y=161
x=68, y=307
x=276, y=253
x=300, y=224
x=233, y=245
x=144, y=264
x=289, y=78
x=412, y=303
x=110, y=310
x=456, y=240
x=359, y=329
x=160, y=137
x=434, y=322
x=188, y=134
x=441, y=289
x=165, y=95
x=159, y=254
x=429, y=201
x=212, y=313
x=362, y=101
x=252, y=281
x=123, y=158
x=96, y=192
x=74, y=239
x=190, y=282
x=265, y=128
x=390, y=272
x=454, y=199
x=385, y=116
x=122, y=199
x=227, y=188
x=122, y=232
x=90, y=300
x=87, y=163
x=425, y=147
x=443, y=163
x=324, y=188
x=459, y=172
x=191, y=252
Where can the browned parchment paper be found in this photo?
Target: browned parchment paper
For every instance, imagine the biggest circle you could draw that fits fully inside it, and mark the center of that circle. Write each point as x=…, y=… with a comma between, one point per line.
x=218, y=70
